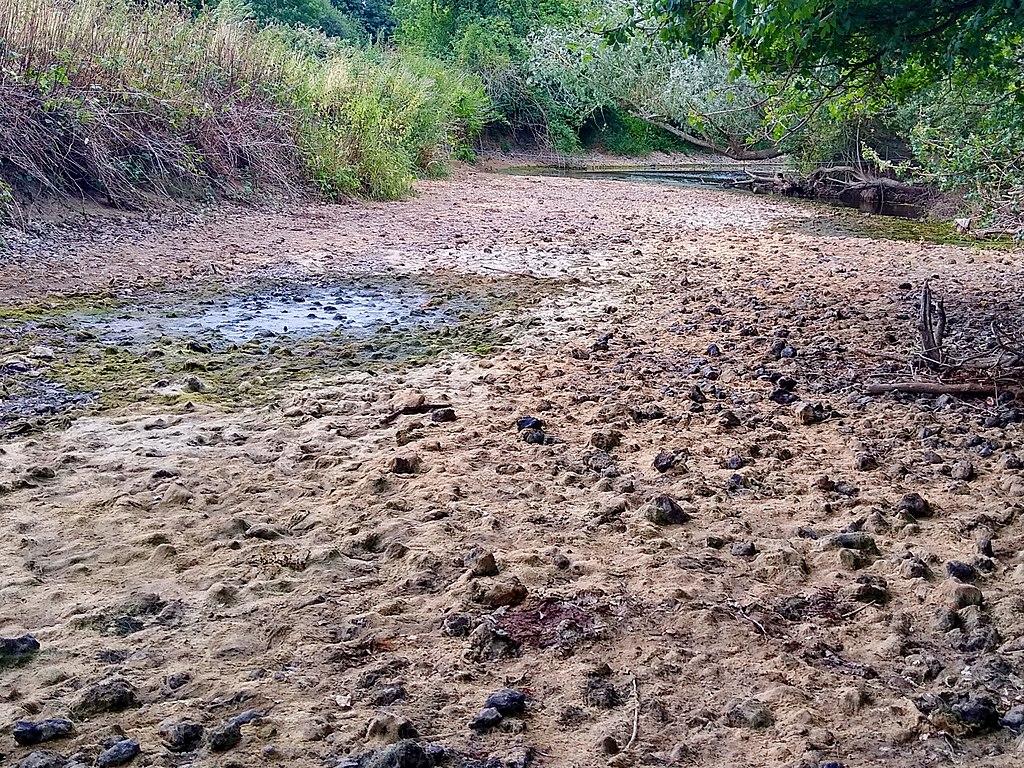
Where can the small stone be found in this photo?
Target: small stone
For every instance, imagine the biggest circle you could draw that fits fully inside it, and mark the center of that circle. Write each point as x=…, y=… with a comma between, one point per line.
x=507, y=701
x=664, y=510
x=224, y=737
x=1012, y=461
x=121, y=753
x=915, y=505
x=743, y=549
x=808, y=414
x=404, y=465
x=750, y=713
x=962, y=595
x=443, y=415
x=529, y=422
x=728, y=420
x=403, y=754
x=533, y=436
x=111, y=695
x=486, y=719
x=503, y=593
x=182, y=737
x=961, y=571
x=1014, y=719
x=610, y=745
x=43, y=758
x=27, y=733
x=977, y=712
x=859, y=540
x=17, y=649
x=481, y=563
x=962, y=470
x=870, y=589
x=665, y=461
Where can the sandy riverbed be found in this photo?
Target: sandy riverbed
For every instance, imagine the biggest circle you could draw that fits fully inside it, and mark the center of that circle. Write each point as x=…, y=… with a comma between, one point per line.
x=325, y=559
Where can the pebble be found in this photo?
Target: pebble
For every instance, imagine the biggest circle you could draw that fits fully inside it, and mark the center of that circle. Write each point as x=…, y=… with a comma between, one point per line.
x=443, y=415
x=664, y=510
x=915, y=505
x=507, y=701
x=182, y=737
x=43, y=759
x=16, y=649
x=111, y=695
x=121, y=753
x=962, y=595
x=403, y=754
x=962, y=470
x=27, y=733
x=858, y=540
x=486, y=719
x=961, y=571
x=529, y=422
x=743, y=549
x=808, y=414
x=224, y=737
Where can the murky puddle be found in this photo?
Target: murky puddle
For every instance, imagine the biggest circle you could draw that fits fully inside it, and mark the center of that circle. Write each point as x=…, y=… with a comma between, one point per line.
x=231, y=344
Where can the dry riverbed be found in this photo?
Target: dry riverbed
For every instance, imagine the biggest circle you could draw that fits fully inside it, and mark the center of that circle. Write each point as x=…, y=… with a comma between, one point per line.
x=523, y=471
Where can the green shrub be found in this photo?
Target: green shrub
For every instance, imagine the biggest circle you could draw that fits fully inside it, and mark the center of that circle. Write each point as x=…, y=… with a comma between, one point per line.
x=122, y=102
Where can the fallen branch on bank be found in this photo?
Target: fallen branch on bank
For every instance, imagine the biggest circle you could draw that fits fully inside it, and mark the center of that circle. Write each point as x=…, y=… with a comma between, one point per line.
x=932, y=388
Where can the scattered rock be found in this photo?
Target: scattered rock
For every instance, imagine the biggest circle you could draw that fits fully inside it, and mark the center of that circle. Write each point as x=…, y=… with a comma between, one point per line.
x=28, y=734
x=43, y=759
x=443, y=415
x=121, y=753
x=404, y=464
x=507, y=701
x=503, y=593
x=111, y=695
x=743, y=549
x=224, y=737
x=664, y=510
x=809, y=414
x=915, y=505
x=486, y=719
x=962, y=470
x=182, y=737
x=16, y=649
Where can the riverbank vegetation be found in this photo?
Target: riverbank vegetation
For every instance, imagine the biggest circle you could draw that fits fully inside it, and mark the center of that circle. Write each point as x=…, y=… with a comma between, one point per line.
x=126, y=99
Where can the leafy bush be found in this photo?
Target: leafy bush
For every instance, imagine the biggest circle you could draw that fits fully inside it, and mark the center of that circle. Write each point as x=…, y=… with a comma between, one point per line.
x=127, y=103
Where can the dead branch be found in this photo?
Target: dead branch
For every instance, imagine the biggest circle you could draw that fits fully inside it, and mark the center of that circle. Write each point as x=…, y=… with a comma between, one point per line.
x=932, y=388
x=932, y=326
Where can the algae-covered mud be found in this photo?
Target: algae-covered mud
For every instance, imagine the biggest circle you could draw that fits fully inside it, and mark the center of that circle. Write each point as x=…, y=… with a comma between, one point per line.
x=233, y=344
x=519, y=472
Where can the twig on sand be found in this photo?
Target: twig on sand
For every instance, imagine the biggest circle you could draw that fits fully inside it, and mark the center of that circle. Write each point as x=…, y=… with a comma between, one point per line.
x=636, y=715
x=932, y=388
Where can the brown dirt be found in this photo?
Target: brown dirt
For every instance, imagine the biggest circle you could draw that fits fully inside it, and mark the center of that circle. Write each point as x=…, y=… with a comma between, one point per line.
x=299, y=575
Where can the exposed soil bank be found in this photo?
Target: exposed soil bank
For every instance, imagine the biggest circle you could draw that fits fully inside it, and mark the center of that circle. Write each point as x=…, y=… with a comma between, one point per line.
x=322, y=555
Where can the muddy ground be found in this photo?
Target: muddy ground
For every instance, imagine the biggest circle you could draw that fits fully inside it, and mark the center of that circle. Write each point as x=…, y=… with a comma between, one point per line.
x=706, y=546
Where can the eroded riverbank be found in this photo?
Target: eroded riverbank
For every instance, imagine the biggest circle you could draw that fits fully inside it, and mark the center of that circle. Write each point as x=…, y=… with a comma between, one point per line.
x=371, y=547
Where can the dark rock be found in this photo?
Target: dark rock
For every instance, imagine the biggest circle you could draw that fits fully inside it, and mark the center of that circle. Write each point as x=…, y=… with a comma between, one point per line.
x=728, y=420
x=507, y=701
x=111, y=695
x=665, y=461
x=859, y=540
x=713, y=350
x=121, y=753
x=16, y=649
x=1014, y=719
x=27, y=733
x=664, y=510
x=404, y=465
x=486, y=719
x=783, y=396
x=979, y=713
x=403, y=754
x=182, y=737
x=601, y=693
x=443, y=415
x=456, y=624
x=697, y=394
x=533, y=436
x=529, y=422
x=809, y=414
x=1012, y=461
x=177, y=680
x=734, y=462
x=224, y=737
x=870, y=589
x=743, y=549
x=915, y=505
x=961, y=571
x=388, y=694
x=43, y=759
x=503, y=593
x=985, y=547
x=481, y=563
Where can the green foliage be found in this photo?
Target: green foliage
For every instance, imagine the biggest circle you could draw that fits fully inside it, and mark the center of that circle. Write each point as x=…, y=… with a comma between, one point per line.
x=126, y=103
x=623, y=134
